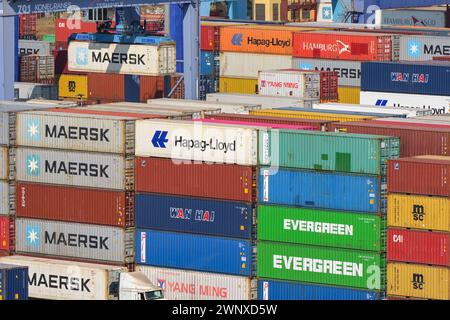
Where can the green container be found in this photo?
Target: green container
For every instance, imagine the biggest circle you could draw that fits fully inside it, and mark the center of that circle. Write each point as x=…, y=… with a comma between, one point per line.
x=332, y=266
x=321, y=228
x=48, y=38
x=343, y=152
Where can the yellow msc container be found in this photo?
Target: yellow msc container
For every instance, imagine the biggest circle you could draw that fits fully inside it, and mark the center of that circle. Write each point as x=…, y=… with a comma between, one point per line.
x=309, y=115
x=418, y=212
x=349, y=94
x=238, y=85
x=73, y=86
x=416, y=280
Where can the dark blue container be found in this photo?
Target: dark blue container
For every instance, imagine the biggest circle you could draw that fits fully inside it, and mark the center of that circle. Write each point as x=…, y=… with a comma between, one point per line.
x=285, y=290
x=16, y=48
x=206, y=63
x=195, y=252
x=193, y=215
x=176, y=33
x=431, y=78
x=324, y=190
x=13, y=282
x=132, y=88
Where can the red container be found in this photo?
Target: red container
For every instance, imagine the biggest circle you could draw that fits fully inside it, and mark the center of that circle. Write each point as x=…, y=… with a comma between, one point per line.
x=210, y=38
x=89, y=206
x=65, y=28
x=4, y=253
x=415, y=246
x=106, y=87
x=343, y=46
x=6, y=226
x=419, y=175
x=218, y=181
x=27, y=26
x=37, y=69
x=415, y=139
x=151, y=87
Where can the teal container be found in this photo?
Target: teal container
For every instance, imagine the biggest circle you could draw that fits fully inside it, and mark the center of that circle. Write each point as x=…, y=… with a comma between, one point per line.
x=328, y=151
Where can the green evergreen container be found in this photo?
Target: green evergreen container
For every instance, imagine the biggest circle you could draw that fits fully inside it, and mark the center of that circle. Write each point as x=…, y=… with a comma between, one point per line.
x=48, y=38
x=343, y=152
x=332, y=266
x=322, y=228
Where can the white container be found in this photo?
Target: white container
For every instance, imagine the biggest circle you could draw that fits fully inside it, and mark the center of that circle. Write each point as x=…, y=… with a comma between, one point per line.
x=289, y=83
x=247, y=65
x=422, y=48
x=193, y=285
x=4, y=198
x=74, y=240
x=402, y=17
x=222, y=106
x=4, y=163
x=438, y=104
x=142, y=112
x=409, y=113
x=266, y=102
x=87, y=281
x=26, y=91
x=121, y=58
x=40, y=48
x=71, y=168
x=193, y=140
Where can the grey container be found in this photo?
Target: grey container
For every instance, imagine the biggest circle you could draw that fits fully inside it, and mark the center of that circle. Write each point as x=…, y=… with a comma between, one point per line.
x=73, y=168
x=422, y=48
x=4, y=198
x=74, y=240
x=4, y=163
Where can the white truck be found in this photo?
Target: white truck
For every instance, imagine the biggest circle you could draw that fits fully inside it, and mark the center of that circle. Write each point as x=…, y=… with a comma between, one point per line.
x=68, y=280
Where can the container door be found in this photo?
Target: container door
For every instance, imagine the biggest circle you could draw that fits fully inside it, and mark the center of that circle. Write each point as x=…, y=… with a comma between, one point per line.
x=132, y=88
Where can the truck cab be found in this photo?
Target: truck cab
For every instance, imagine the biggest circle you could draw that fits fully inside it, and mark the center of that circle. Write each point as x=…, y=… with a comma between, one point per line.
x=136, y=286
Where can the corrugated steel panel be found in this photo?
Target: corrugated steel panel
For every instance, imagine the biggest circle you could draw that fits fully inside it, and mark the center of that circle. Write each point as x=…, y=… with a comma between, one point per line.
x=262, y=125
x=247, y=65
x=340, y=267
x=194, y=252
x=5, y=231
x=88, y=281
x=193, y=285
x=206, y=63
x=238, y=85
x=106, y=87
x=285, y=290
x=422, y=48
x=335, y=191
x=349, y=95
x=4, y=198
x=420, y=281
x=73, y=240
x=198, y=216
x=309, y=115
x=65, y=27
x=73, y=86
x=98, y=170
x=193, y=141
x=13, y=282
x=419, y=212
x=424, y=247
x=287, y=83
x=314, y=150
x=323, y=228
x=219, y=181
x=4, y=163
x=41, y=48
x=91, y=206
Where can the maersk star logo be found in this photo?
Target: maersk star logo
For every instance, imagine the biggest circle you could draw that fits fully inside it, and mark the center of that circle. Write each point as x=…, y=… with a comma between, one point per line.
x=33, y=235
x=306, y=66
x=82, y=56
x=326, y=13
x=414, y=48
x=33, y=129
x=33, y=165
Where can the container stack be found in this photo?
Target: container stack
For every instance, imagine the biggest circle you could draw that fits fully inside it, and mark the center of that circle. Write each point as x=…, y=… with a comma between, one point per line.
x=209, y=59
x=418, y=228
x=321, y=215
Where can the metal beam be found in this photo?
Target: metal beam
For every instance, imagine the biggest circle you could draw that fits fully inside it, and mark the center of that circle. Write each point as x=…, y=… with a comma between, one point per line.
x=191, y=48
x=7, y=52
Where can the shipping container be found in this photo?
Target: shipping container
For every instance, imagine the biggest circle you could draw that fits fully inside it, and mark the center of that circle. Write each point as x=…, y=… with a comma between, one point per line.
x=224, y=107
x=247, y=65
x=27, y=91
x=286, y=290
x=349, y=95
x=217, y=181
x=419, y=281
x=97, y=170
x=27, y=26
x=323, y=228
x=262, y=125
x=195, y=252
x=41, y=48
x=402, y=17
x=6, y=233
x=395, y=112
x=308, y=114
x=66, y=27
x=303, y=149
x=186, y=111
x=238, y=85
x=194, y=141
x=89, y=281
x=106, y=87
x=4, y=163
x=195, y=215
x=73, y=86
x=4, y=198
x=425, y=175
x=429, y=78
x=329, y=266
x=419, y=212
x=13, y=282
x=414, y=139
x=335, y=191
x=207, y=63
x=422, y=48
x=343, y=45
x=151, y=60
x=436, y=104
x=37, y=69
x=74, y=240
x=90, y=206
x=413, y=246
x=436, y=121
x=152, y=87
x=194, y=285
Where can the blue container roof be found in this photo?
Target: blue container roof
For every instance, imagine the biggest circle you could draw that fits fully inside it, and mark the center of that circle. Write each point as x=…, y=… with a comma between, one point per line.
x=120, y=38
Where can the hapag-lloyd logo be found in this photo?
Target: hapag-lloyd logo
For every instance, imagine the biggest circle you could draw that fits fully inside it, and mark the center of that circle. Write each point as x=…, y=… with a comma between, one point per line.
x=237, y=39
x=339, y=47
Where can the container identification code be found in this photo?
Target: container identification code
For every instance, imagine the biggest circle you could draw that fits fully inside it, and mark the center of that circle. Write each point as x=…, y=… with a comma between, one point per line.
x=266, y=148
x=266, y=185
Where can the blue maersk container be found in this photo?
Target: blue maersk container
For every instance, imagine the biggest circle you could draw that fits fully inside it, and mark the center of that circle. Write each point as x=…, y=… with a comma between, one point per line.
x=285, y=290
x=431, y=78
x=206, y=63
x=193, y=215
x=325, y=190
x=195, y=252
x=13, y=282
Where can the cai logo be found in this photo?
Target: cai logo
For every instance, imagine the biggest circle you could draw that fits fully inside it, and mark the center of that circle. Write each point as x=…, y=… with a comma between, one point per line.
x=160, y=139
x=414, y=48
x=34, y=129
x=33, y=235
x=236, y=40
x=33, y=165
x=326, y=13
x=162, y=284
x=82, y=56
